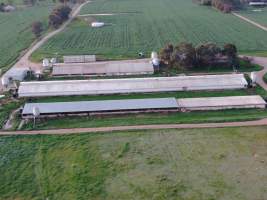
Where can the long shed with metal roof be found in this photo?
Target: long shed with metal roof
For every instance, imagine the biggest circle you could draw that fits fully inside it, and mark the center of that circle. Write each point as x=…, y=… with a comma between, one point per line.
x=131, y=85
x=89, y=107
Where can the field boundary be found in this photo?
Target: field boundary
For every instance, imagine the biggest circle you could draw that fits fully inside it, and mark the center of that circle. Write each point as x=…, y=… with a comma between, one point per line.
x=250, y=21
x=261, y=122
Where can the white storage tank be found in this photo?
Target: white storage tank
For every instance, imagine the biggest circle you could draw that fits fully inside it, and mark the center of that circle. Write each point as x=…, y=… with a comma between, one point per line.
x=97, y=24
x=45, y=62
x=156, y=62
x=36, y=112
x=4, y=81
x=154, y=55
x=253, y=77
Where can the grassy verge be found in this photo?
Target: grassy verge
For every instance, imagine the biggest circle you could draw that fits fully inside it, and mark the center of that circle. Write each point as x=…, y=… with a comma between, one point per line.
x=6, y=109
x=254, y=53
x=159, y=164
x=143, y=119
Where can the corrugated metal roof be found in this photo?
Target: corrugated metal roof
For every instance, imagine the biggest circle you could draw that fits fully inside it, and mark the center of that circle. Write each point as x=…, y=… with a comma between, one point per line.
x=221, y=101
x=106, y=68
x=131, y=85
x=97, y=106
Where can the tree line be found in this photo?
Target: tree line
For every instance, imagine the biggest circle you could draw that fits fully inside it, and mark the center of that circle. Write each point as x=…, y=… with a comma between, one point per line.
x=225, y=6
x=186, y=56
x=57, y=17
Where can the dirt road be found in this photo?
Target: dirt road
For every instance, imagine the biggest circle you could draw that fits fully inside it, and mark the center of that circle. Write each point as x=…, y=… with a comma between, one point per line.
x=24, y=61
x=250, y=21
x=262, y=122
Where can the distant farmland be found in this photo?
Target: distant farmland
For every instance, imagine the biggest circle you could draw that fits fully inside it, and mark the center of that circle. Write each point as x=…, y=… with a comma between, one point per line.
x=15, y=30
x=256, y=15
x=148, y=25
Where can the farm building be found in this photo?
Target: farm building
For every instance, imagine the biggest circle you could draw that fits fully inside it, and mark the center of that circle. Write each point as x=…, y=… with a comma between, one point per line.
x=131, y=85
x=79, y=59
x=220, y=103
x=17, y=74
x=141, y=105
x=106, y=106
x=104, y=68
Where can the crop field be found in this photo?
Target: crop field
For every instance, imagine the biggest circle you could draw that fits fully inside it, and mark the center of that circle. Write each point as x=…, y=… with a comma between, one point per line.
x=15, y=30
x=256, y=15
x=146, y=25
x=193, y=164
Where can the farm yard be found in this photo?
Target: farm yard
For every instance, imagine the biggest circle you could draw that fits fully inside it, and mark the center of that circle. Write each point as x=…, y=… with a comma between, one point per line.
x=146, y=25
x=228, y=163
x=15, y=34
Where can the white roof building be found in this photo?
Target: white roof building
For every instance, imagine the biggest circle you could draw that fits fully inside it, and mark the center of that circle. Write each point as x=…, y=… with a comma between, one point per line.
x=131, y=85
x=104, y=68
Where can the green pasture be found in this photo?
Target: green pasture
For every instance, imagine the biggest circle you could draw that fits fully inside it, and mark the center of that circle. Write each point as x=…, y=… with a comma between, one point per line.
x=146, y=25
x=195, y=164
x=15, y=30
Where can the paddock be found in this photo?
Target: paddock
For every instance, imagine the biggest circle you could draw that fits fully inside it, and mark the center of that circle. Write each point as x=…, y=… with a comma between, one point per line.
x=131, y=85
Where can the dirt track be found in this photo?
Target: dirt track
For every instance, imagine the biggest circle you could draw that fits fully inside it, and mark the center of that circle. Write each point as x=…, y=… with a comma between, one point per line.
x=250, y=21
x=262, y=122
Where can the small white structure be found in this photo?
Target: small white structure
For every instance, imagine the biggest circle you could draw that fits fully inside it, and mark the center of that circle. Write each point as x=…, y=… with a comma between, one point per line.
x=45, y=63
x=17, y=74
x=53, y=61
x=156, y=62
x=154, y=55
x=35, y=111
x=132, y=85
x=9, y=8
x=97, y=24
x=4, y=81
x=253, y=77
x=257, y=3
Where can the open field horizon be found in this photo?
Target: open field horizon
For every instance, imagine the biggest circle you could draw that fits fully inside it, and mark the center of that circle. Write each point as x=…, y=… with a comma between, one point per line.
x=149, y=25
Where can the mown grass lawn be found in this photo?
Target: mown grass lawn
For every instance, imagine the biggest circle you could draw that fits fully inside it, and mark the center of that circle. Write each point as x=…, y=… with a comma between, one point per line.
x=148, y=25
x=228, y=163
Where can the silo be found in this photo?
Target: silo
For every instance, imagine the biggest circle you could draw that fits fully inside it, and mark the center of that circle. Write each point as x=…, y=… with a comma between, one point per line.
x=36, y=112
x=4, y=81
x=45, y=63
x=155, y=62
x=253, y=77
x=154, y=55
x=97, y=24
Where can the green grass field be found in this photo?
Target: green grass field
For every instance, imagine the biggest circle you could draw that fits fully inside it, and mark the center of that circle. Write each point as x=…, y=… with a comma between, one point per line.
x=257, y=16
x=148, y=25
x=192, y=164
x=15, y=34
